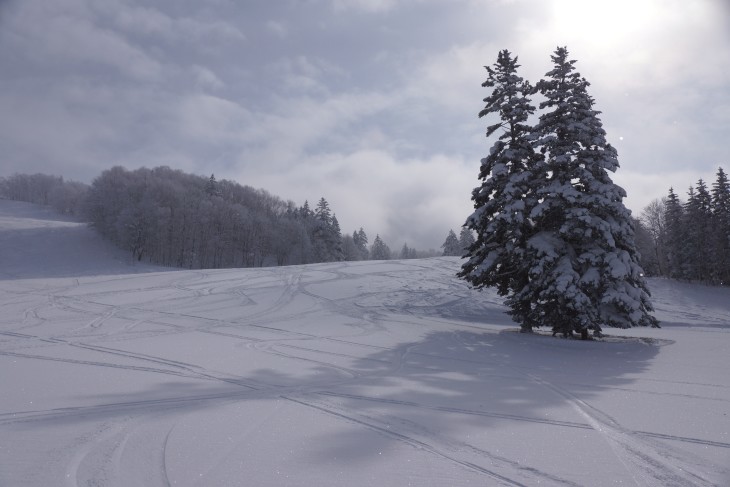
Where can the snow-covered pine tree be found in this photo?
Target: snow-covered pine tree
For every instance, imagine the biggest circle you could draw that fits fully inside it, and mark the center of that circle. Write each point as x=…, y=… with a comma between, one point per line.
x=583, y=265
x=379, y=250
x=304, y=211
x=337, y=248
x=326, y=236
x=505, y=197
x=211, y=186
x=361, y=242
x=322, y=212
x=451, y=245
x=697, y=224
x=721, y=228
x=466, y=239
x=674, y=215
x=405, y=252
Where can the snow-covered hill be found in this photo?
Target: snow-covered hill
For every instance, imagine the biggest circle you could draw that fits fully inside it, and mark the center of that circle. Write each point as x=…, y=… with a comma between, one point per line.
x=370, y=373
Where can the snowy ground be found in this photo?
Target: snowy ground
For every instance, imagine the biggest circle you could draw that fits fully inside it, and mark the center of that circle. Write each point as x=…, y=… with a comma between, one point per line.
x=374, y=373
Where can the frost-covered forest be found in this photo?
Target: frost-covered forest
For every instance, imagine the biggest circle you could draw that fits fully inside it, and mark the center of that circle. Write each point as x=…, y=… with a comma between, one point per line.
x=167, y=217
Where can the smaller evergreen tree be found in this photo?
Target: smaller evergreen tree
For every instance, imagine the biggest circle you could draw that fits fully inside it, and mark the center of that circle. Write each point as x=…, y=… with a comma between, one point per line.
x=304, y=211
x=211, y=187
x=349, y=250
x=361, y=243
x=466, y=239
x=451, y=245
x=379, y=250
x=405, y=252
x=326, y=235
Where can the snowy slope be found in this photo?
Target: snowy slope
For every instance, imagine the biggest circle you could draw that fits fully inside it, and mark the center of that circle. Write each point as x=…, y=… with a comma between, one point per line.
x=36, y=241
x=373, y=373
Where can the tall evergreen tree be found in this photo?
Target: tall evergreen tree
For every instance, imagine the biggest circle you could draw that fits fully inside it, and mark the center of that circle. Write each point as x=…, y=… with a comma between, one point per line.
x=326, y=236
x=323, y=212
x=675, y=234
x=584, y=269
x=338, y=252
x=697, y=221
x=503, y=201
x=721, y=228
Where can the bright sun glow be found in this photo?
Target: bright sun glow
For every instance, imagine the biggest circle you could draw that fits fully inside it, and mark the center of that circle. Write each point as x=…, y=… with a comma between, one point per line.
x=602, y=24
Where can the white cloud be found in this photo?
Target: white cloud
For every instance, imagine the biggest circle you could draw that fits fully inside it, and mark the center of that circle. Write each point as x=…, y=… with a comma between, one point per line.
x=643, y=188
x=410, y=200
x=453, y=78
x=209, y=119
x=366, y=5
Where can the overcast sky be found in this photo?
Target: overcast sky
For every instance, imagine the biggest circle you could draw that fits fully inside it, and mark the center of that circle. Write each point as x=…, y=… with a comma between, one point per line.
x=370, y=103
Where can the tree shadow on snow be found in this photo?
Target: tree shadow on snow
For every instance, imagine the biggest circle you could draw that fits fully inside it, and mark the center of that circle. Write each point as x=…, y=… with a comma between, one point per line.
x=452, y=386
x=487, y=394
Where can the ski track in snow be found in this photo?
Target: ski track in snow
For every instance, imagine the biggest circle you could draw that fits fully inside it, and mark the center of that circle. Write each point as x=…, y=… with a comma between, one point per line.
x=401, y=350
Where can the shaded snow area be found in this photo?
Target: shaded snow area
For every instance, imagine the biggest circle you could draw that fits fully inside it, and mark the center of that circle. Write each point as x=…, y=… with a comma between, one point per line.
x=343, y=374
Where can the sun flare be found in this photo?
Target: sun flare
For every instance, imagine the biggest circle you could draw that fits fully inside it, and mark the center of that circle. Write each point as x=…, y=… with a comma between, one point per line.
x=602, y=24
